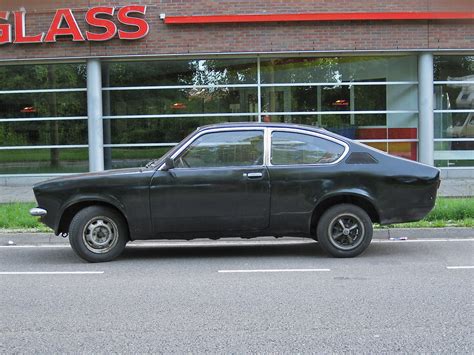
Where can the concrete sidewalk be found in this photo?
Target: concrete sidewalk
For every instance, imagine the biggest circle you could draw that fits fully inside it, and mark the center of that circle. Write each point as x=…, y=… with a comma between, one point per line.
x=17, y=238
x=16, y=194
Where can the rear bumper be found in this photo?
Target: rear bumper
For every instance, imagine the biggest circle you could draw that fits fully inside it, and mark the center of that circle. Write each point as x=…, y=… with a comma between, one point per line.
x=38, y=212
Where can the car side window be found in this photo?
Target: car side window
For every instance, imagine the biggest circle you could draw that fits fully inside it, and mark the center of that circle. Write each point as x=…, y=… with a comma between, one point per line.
x=221, y=149
x=297, y=148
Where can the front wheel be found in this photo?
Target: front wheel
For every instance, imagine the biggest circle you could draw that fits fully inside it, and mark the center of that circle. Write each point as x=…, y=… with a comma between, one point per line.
x=98, y=234
x=344, y=231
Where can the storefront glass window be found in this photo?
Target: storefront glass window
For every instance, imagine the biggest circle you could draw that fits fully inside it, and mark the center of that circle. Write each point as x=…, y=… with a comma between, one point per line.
x=180, y=72
x=44, y=161
x=43, y=108
x=32, y=133
x=42, y=76
x=160, y=101
x=337, y=69
x=454, y=111
x=128, y=157
x=374, y=99
x=182, y=101
x=159, y=130
x=50, y=104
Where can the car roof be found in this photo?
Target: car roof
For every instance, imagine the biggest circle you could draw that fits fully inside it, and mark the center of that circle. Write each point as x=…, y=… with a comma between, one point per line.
x=263, y=125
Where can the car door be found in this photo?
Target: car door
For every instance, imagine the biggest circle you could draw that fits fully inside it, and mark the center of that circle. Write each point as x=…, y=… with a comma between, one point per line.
x=219, y=183
x=302, y=167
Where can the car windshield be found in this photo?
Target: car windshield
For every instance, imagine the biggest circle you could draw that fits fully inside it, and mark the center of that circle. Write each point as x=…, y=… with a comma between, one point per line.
x=156, y=162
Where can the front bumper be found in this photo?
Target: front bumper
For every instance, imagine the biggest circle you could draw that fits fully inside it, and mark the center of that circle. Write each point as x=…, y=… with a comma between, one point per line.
x=38, y=212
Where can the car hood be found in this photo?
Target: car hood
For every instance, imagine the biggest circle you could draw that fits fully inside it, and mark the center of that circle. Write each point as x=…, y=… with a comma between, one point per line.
x=66, y=180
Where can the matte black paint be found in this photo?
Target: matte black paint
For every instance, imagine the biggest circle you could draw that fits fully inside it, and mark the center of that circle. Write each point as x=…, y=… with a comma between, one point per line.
x=221, y=202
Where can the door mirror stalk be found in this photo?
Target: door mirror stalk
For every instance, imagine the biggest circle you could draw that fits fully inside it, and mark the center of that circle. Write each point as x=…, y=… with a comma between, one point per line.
x=169, y=164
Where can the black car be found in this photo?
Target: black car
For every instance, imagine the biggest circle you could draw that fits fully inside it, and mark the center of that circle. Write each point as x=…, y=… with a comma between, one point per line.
x=242, y=180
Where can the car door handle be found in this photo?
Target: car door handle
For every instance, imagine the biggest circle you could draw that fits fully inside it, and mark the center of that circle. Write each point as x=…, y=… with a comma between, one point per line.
x=253, y=175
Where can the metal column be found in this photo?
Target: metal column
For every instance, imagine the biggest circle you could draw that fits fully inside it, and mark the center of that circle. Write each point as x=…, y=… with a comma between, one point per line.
x=425, y=109
x=94, y=113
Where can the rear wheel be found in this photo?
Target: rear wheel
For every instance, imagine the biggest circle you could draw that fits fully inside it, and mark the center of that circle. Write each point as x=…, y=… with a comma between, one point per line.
x=98, y=234
x=344, y=231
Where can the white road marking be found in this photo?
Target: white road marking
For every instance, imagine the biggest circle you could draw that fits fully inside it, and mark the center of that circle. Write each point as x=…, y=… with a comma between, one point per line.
x=50, y=272
x=273, y=270
x=459, y=267
x=424, y=240
x=35, y=246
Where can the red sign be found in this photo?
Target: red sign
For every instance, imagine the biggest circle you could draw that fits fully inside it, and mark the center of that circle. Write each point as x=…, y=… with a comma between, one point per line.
x=64, y=24
x=323, y=16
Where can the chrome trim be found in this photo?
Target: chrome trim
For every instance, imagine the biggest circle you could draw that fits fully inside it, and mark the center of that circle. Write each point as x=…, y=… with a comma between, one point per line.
x=20, y=147
x=253, y=175
x=259, y=91
x=38, y=212
x=41, y=91
x=313, y=113
x=454, y=111
x=254, y=85
x=444, y=82
x=454, y=140
x=267, y=142
x=267, y=146
x=22, y=119
x=185, y=115
x=131, y=145
x=340, y=83
x=176, y=87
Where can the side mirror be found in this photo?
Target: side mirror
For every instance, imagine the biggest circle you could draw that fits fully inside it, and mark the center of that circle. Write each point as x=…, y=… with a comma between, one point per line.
x=169, y=164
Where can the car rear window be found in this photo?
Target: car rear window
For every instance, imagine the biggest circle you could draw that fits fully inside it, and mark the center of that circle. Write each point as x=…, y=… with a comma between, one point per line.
x=297, y=148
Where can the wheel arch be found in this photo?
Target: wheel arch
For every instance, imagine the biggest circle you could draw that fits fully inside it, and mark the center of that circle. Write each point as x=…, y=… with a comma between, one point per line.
x=73, y=207
x=358, y=199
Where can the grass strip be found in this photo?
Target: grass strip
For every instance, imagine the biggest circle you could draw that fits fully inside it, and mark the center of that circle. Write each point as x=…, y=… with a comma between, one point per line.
x=448, y=212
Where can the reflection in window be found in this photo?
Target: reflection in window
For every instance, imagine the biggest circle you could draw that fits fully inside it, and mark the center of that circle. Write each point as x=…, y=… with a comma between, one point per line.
x=159, y=130
x=43, y=133
x=454, y=154
x=44, y=161
x=52, y=104
x=289, y=99
x=454, y=125
x=182, y=101
x=337, y=69
x=336, y=98
x=42, y=76
x=181, y=72
x=121, y=157
x=244, y=148
x=296, y=148
x=330, y=98
x=450, y=66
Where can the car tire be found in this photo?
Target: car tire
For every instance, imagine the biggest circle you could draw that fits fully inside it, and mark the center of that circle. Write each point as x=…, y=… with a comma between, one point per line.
x=344, y=231
x=98, y=234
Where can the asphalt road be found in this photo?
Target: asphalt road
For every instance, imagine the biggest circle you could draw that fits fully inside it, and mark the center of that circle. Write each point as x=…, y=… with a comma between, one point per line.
x=400, y=296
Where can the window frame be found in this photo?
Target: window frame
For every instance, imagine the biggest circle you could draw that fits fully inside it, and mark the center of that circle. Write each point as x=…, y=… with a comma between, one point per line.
x=183, y=149
x=308, y=133
x=267, y=134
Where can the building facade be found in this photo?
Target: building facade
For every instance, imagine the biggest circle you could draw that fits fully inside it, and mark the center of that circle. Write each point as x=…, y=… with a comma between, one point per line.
x=92, y=85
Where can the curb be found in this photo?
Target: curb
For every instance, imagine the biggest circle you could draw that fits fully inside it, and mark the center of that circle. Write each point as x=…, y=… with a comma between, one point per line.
x=30, y=238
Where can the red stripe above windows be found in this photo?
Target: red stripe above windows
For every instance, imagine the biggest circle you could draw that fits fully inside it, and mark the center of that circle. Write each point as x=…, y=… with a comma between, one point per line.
x=323, y=16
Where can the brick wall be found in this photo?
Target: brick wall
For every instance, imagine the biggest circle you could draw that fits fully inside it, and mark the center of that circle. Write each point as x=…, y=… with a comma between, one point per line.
x=267, y=37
